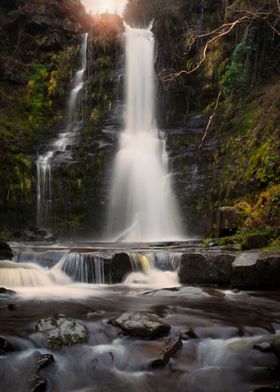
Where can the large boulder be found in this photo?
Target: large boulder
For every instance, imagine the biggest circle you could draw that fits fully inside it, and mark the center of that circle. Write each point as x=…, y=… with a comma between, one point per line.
x=144, y=325
x=244, y=274
x=58, y=332
x=206, y=268
x=268, y=270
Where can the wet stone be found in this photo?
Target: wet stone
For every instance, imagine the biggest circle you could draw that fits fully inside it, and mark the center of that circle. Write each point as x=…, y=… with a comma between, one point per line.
x=57, y=332
x=146, y=325
x=6, y=346
x=37, y=384
x=169, y=349
x=45, y=360
x=245, y=272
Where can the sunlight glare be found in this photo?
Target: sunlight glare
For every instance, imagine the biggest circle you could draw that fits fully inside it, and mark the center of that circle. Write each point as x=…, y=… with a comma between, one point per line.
x=104, y=6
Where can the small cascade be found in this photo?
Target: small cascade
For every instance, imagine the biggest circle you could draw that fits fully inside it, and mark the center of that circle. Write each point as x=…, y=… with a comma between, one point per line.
x=100, y=268
x=73, y=123
x=29, y=275
x=143, y=207
x=83, y=267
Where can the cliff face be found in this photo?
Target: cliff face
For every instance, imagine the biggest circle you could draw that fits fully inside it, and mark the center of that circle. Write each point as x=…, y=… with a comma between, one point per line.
x=232, y=73
x=39, y=52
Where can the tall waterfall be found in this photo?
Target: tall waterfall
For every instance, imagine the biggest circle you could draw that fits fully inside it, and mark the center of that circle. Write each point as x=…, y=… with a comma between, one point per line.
x=143, y=207
x=73, y=124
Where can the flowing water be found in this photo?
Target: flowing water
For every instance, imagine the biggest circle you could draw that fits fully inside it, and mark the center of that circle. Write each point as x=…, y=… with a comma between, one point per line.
x=219, y=329
x=73, y=124
x=143, y=206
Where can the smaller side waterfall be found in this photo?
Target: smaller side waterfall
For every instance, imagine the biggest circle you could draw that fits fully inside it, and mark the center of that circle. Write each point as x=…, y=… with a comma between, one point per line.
x=73, y=124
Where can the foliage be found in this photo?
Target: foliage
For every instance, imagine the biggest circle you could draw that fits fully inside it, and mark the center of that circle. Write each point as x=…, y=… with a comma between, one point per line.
x=237, y=78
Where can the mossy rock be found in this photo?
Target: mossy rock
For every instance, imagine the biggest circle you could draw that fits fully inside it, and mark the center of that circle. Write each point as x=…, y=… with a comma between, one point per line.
x=58, y=332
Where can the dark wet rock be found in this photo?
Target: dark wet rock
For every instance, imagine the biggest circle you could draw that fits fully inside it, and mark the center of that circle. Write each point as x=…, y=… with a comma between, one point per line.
x=206, y=268
x=275, y=345
x=6, y=252
x=6, y=346
x=34, y=234
x=58, y=332
x=268, y=270
x=194, y=268
x=6, y=291
x=45, y=361
x=37, y=383
x=263, y=347
x=146, y=325
x=244, y=274
x=169, y=348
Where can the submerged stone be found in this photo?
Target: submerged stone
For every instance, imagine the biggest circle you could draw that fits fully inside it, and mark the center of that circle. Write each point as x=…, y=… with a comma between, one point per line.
x=146, y=325
x=57, y=332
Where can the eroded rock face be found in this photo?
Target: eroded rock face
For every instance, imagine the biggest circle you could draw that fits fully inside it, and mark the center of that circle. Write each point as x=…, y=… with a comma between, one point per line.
x=145, y=325
x=58, y=332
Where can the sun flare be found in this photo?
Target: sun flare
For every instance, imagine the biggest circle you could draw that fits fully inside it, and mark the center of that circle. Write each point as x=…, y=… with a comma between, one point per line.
x=104, y=6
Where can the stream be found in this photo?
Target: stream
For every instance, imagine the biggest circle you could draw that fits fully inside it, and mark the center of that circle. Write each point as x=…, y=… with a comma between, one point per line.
x=224, y=333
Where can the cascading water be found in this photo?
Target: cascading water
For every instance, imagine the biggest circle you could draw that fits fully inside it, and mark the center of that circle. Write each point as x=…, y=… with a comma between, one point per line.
x=73, y=124
x=143, y=207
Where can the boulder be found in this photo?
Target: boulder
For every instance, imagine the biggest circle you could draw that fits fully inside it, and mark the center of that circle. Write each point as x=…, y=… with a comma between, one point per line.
x=208, y=268
x=58, y=332
x=144, y=325
x=244, y=275
x=6, y=252
x=268, y=270
x=194, y=269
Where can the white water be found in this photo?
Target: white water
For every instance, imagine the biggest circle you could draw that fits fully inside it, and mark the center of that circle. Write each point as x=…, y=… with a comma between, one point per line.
x=74, y=121
x=29, y=275
x=143, y=206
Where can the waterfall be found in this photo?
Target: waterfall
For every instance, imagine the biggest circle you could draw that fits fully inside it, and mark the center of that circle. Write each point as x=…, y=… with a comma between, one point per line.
x=142, y=207
x=73, y=124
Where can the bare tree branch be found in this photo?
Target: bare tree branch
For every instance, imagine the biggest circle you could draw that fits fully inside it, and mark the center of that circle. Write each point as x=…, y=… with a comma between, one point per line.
x=211, y=119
